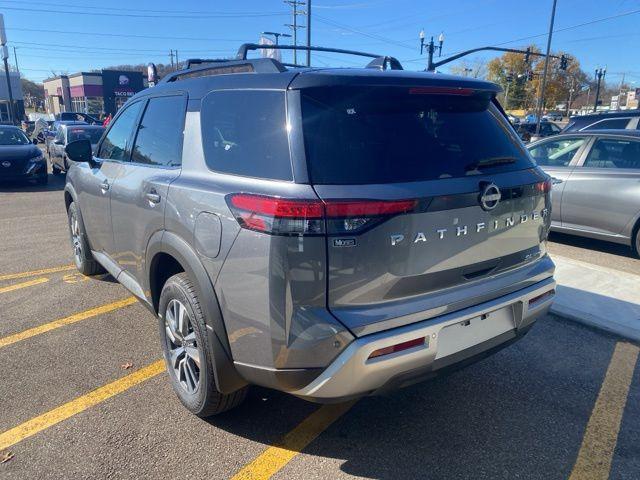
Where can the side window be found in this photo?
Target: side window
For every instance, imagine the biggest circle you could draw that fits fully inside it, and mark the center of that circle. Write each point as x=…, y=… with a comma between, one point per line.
x=556, y=153
x=159, y=138
x=612, y=153
x=114, y=145
x=610, y=124
x=245, y=133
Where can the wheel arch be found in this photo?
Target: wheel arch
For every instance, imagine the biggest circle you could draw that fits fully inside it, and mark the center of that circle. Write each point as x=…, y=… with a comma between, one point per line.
x=168, y=252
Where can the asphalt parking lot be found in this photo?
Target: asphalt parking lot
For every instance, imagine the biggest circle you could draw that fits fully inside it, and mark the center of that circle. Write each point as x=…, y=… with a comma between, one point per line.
x=83, y=394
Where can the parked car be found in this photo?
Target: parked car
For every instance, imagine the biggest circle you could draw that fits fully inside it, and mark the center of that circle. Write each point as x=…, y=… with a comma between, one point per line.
x=78, y=117
x=52, y=133
x=527, y=131
x=67, y=134
x=597, y=183
x=248, y=225
x=552, y=117
x=20, y=159
x=622, y=119
x=513, y=119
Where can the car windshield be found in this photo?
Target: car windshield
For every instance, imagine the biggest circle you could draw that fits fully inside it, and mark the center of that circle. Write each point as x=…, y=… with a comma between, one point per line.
x=13, y=136
x=392, y=135
x=91, y=134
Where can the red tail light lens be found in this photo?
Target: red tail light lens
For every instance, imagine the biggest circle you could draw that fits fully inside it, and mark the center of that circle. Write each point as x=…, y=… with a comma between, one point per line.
x=399, y=347
x=544, y=187
x=282, y=216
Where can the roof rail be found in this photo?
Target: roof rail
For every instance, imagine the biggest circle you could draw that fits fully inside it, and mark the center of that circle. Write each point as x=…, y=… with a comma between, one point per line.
x=205, y=68
x=380, y=62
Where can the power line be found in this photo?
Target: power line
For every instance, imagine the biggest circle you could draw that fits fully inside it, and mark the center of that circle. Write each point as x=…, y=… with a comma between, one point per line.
x=125, y=35
x=360, y=32
x=563, y=29
x=145, y=15
x=109, y=49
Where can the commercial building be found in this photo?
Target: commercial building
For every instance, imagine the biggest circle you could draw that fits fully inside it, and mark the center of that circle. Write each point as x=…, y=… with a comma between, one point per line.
x=16, y=92
x=97, y=93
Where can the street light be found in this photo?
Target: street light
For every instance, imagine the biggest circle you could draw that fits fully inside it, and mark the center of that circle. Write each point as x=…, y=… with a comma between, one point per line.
x=600, y=73
x=277, y=35
x=431, y=48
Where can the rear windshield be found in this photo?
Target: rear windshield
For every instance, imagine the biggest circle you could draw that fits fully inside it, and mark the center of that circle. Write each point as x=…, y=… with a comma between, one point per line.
x=91, y=134
x=391, y=135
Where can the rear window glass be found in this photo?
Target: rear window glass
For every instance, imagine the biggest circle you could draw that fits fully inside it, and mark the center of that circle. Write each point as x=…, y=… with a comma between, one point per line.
x=91, y=134
x=245, y=133
x=388, y=135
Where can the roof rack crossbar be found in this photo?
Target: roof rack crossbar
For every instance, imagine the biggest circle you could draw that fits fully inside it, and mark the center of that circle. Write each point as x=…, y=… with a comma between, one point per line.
x=195, y=65
x=380, y=61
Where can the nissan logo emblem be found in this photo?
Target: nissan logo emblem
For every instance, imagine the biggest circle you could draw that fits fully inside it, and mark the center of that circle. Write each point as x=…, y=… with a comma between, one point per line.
x=6, y=164
x=490, y=197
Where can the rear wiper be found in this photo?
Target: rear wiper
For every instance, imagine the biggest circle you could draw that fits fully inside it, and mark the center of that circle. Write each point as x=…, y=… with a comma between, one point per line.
x=490, y=162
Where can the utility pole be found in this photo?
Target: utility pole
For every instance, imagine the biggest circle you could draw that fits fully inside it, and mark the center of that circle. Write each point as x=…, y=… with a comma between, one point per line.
x=570, y=99
x=600, y=73
x=5, y=57
x=309, y=32
x=546, y=68
x=294, y=26
x=619, y=91
x=171, y=57
x=15, y=57
x=177, y=61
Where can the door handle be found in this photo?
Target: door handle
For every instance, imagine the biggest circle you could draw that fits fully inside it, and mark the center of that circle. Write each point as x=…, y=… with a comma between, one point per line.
x=104, y=186
x=556, y=181
x=153, y=197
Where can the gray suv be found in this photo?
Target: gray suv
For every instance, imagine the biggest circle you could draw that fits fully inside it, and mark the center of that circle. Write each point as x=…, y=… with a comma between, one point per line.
x=330, y=233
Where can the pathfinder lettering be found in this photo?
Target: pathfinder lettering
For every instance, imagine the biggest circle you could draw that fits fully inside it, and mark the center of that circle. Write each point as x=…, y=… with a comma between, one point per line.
x=463, y=230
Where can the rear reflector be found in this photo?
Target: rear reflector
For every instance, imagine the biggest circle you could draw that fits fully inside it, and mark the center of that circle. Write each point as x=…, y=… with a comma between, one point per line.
x=539, y=298
x=399, y=347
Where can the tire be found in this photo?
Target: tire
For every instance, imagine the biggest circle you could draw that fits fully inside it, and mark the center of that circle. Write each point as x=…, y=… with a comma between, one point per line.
x=85, y=263
x=186, y=346
x=635, y=246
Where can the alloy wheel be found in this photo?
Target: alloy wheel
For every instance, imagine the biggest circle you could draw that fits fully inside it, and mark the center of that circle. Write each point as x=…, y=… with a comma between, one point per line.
x=184, y=356
x=76, y=240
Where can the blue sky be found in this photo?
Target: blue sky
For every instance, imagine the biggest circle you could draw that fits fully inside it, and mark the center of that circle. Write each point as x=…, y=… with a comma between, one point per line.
x=140, y=31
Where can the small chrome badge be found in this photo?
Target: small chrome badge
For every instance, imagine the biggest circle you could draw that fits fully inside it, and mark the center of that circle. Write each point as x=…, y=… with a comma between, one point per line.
x=6, y=164
x=344, y=242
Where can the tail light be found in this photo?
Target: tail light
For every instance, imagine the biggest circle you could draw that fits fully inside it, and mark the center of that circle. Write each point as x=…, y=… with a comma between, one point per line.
x=279, y=216
x=544, y=187
x=399, y=347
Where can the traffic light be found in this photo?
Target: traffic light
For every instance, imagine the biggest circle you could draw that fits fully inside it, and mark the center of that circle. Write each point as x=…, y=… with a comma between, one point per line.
x=527, y=55
x=563, y=62
x=530, y=75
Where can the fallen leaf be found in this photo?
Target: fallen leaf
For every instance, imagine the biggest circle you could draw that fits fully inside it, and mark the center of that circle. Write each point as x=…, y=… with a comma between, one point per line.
x=127, y=366
x=5, y=456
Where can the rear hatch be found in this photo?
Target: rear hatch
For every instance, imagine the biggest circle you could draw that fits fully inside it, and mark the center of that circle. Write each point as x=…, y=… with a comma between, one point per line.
x=428, y=192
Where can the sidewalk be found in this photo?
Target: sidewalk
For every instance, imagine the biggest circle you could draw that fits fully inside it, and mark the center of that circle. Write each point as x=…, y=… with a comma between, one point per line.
x=598, y=296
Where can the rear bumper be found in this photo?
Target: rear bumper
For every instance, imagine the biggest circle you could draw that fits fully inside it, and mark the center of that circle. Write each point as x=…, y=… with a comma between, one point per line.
x=450, y=340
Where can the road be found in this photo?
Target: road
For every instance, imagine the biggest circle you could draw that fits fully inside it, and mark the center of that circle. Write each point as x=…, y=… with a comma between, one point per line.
x=83, y=394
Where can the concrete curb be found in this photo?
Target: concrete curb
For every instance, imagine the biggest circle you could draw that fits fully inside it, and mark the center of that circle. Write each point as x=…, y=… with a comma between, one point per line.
x=597, y=296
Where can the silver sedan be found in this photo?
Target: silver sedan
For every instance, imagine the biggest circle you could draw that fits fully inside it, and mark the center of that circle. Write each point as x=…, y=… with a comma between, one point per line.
x=596, y=178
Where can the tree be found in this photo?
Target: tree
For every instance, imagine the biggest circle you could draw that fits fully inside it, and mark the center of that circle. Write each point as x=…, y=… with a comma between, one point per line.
x=476, y=68
x=510, y=72
x=32, y=92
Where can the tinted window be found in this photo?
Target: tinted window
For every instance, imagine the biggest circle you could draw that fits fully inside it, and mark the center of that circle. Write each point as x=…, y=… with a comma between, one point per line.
x=13, y=136
x=91, y=134
x=159, y=138
x=556, y=153
x=245, y=133
x=613, y=124
x=385, y=135
x=114, y=146
x=614, y=154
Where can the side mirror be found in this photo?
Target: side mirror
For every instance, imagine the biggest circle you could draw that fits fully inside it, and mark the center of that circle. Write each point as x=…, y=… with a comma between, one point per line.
x=79, y=151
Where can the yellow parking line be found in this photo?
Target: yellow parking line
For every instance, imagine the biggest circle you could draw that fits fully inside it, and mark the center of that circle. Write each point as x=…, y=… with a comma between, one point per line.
x=276, y=457
x=33, y=273
x=601, y=435
x=61, y=322
x=18, y=286
x=78, y=405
